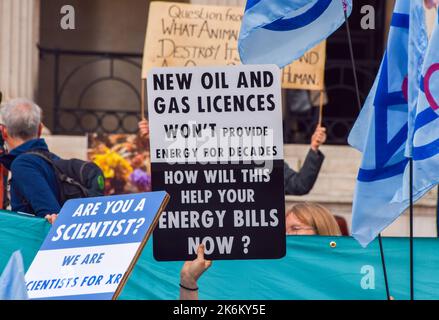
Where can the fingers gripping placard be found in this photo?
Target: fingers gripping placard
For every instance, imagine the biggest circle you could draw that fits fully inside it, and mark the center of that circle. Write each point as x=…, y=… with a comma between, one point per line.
x=217, y=149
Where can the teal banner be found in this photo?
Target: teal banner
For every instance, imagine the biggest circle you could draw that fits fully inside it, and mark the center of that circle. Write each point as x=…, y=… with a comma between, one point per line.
x=315, y=268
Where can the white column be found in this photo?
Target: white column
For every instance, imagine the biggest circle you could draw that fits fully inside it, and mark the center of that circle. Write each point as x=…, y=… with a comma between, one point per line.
x=220, y=2
x=19, y=34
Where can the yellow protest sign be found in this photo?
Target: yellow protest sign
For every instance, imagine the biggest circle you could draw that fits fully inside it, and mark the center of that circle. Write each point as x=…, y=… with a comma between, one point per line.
x=181, y=34
x=308, y=72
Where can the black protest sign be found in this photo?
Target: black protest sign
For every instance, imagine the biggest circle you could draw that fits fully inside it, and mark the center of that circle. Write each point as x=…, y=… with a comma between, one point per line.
x=217, y=149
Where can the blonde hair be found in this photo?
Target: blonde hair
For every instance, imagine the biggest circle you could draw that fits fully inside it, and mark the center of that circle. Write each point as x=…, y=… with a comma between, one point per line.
x=316, y=216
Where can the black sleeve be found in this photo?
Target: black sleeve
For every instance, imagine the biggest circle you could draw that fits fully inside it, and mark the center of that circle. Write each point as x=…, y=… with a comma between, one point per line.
x=301, y=183
x=33, y=186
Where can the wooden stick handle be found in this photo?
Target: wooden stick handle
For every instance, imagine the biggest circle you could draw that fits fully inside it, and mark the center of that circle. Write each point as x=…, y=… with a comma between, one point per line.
x=142, y=100
x=321, y=108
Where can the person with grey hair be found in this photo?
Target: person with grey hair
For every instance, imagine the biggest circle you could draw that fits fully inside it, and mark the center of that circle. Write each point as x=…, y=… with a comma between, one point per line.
x=34, y=186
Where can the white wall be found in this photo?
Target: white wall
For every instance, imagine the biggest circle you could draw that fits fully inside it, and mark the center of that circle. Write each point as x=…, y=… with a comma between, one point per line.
x=19, y=33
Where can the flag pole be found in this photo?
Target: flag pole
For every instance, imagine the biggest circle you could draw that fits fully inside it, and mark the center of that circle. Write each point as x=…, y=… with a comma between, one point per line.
x=383, y=262
x=437, y=214
x=321, y=108
x=351, y=49
x=357, y=91
x=412, y=291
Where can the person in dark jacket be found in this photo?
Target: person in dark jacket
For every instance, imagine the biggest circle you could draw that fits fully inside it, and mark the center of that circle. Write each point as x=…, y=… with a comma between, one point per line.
x=34, y=186
x=301, y=183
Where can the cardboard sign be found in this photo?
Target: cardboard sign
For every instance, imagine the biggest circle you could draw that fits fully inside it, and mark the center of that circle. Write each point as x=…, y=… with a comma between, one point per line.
x=93, y=246
x=181, y=35
x=307, y=73
x=217, y=149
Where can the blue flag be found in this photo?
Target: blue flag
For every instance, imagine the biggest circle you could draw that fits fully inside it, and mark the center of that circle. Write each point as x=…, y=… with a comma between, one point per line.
x=380, y=133
x=12, y=282
x=426, y=129
x=418, y=43
x=281, y=31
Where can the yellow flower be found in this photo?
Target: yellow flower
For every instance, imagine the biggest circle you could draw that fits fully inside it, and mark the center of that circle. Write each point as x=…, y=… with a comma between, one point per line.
x=113, y=165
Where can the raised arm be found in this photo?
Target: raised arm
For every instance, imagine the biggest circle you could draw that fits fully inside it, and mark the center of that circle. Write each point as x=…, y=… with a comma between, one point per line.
x=190, y=273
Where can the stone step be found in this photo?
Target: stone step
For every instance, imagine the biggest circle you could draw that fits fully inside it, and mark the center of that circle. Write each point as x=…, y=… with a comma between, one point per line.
x=335, y=185
x=68, y=147
x=330, y=166
x=342, y=187
x=333, y=152
x=340, y=160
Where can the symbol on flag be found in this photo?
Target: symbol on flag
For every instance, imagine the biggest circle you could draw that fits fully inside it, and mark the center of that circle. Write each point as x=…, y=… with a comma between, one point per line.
x=301, y=20
x=282, y=31
x=433, y=104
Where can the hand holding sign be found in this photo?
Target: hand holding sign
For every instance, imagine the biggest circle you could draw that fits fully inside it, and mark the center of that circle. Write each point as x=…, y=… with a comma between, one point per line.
x=318, y=138
x=144, y=128
x=192, y=270
x=51, y=218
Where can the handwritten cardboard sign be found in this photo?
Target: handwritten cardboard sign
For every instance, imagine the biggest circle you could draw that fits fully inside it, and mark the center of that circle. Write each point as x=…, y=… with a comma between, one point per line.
x=184, y=35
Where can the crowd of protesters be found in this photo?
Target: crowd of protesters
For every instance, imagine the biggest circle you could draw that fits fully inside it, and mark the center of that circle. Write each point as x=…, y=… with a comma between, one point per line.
x=34, y=188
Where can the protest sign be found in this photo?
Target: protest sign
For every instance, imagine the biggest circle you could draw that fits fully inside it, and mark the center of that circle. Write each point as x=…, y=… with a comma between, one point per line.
x=217, y=149
x=93, y=246
x=181, y=35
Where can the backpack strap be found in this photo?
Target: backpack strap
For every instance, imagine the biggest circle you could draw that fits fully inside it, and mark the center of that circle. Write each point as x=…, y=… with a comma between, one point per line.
x=46, y=158
x=60, y=175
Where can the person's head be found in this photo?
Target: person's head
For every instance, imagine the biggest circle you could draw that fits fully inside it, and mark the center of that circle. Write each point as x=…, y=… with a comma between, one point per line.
x=21, y=122
x=311, y=219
